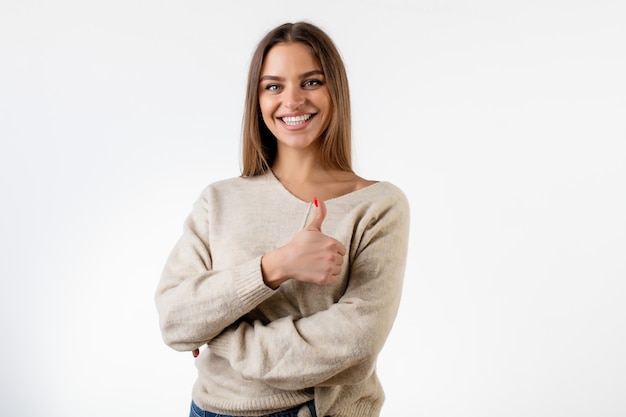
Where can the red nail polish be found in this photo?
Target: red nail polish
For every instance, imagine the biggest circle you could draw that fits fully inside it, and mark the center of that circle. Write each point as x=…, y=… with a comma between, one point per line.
x=317, y=204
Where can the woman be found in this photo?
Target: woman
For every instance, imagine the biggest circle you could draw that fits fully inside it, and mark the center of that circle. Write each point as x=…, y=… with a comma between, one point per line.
x=289, y=277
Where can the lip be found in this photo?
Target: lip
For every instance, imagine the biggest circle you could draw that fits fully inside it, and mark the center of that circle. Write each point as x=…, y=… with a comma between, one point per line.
x=298, y=126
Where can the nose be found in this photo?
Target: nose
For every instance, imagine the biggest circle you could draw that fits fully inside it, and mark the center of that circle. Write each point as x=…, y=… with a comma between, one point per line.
x=293, y=98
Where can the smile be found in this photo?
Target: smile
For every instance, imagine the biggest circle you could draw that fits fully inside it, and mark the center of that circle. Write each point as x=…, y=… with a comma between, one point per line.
x=296, y=120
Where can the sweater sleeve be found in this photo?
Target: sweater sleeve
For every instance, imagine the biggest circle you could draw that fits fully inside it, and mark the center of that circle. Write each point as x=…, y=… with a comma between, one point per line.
x=339, y=345
x=194, y=302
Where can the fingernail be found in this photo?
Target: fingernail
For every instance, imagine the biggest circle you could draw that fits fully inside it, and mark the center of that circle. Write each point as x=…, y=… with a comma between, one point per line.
x=317, y=204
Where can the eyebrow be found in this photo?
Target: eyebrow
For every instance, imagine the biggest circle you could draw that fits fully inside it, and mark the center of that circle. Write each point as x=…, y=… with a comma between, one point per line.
x=305, y=75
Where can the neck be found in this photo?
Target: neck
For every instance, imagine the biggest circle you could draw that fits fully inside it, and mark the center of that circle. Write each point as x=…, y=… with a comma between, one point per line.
x=295, y=173
x=297, y=167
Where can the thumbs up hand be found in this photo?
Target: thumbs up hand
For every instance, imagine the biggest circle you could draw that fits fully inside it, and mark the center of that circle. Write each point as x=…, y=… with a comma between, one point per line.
x=311, y=256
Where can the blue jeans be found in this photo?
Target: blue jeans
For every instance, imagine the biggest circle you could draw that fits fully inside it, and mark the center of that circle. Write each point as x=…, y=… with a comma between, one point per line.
x=292, y=412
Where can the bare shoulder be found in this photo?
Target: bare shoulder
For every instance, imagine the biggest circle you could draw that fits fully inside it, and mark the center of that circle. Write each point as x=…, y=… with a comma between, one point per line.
x=350, y=181
x=361, y=183
x=339, y=183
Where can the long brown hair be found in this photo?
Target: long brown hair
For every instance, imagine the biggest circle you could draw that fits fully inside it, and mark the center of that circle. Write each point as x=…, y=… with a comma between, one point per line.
x=259, y=144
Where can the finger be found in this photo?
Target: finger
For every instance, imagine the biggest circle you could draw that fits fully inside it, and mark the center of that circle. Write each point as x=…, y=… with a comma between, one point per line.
x=318, y=216
x=341, y=249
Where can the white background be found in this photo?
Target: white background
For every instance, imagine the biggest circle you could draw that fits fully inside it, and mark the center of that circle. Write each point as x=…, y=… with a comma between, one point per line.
x=503, y=122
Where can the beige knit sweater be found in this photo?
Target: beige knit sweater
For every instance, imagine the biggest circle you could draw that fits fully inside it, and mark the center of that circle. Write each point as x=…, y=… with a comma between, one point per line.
x=266, y=350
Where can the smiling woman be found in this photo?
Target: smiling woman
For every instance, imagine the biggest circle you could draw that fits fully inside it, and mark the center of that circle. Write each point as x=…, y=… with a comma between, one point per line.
x=325, y=66
x=287, y=319
x=294, y=99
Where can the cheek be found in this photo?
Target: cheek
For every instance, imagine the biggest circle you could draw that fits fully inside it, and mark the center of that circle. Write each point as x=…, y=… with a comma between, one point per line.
x=328, y=110
x=327, y=103
x=267, y=109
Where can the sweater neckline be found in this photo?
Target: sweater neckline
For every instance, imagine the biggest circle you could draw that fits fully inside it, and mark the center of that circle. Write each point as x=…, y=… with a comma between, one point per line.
x=345, y=196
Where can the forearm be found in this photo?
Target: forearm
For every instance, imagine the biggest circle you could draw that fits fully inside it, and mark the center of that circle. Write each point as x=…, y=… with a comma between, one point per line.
x=332, y=347
x=193, y=309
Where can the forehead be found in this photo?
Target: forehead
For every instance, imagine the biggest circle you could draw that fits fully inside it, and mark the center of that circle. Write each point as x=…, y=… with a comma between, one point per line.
x=292, y=56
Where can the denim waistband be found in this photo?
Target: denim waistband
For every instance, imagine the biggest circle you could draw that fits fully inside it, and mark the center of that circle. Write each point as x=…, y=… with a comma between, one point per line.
x=292, y=412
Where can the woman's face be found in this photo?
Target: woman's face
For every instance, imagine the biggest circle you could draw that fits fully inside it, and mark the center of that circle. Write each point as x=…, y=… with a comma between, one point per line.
x=293, y=96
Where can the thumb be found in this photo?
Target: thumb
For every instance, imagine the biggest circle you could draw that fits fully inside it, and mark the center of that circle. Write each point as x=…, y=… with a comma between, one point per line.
x=318, y=216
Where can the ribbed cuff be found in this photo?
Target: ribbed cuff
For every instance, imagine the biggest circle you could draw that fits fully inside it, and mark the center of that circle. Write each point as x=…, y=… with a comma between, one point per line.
x=249, y=283
x=361, y=409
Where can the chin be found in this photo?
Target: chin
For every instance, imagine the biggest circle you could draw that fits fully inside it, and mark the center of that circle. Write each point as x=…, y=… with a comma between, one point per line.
x=295, y=142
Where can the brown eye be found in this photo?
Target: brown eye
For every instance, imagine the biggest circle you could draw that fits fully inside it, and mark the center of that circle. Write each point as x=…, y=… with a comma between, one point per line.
x=312, y=83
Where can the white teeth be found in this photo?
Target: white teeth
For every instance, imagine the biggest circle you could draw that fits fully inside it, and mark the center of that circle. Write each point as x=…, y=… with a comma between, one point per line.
x=296, y=120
